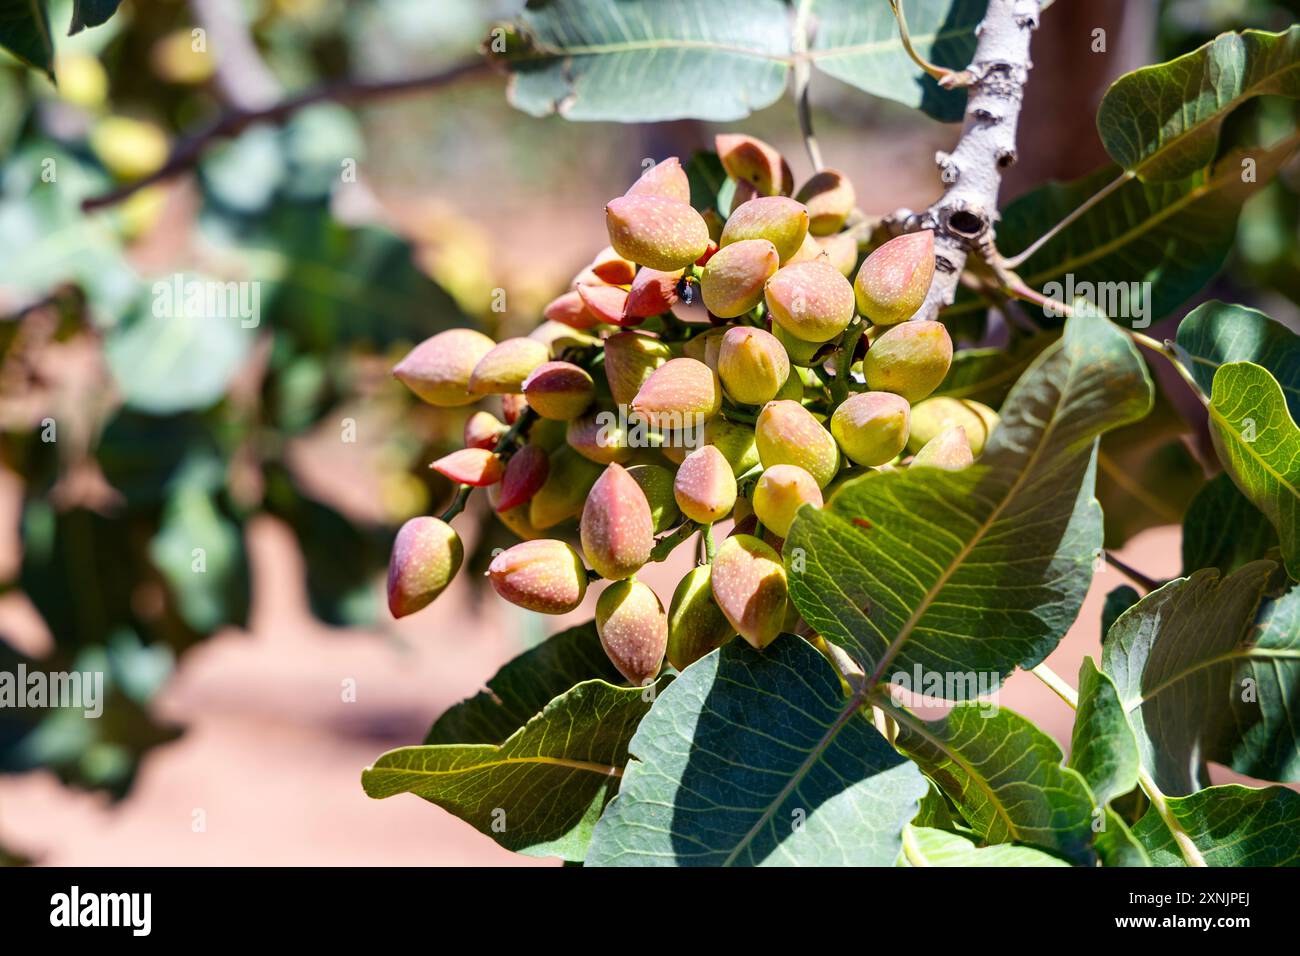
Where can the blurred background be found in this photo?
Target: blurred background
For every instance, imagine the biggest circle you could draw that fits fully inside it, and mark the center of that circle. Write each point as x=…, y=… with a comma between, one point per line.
x=244, y=702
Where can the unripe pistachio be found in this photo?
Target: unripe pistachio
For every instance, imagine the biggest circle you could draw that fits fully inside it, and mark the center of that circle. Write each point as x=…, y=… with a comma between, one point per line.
x=792, y=388
x=830, y=198
x=545, y=575
x=678, y=394
x=562, y=495
x=705, y=347
x=788, y=434
x=810, y=300
x=808, y=251
x=633, y=629
x=617, y=529
x=503, y=370
x=559, y=390
x=949, y=450
x=483, y=430
x=894, y=279
x=732, y=282
x=598, y=436
x=558, y=337
x=749, y=585
x=911, y=359
x=525, y=474
x=666, y=179
x=659, y=233
x=652, y=293
x=801, y=353
x=606, y=302
x=753, y=161
x=705, y=486
x=439, y=368
x=779, y=494
x=656, y=483
x=470, y=466
x=781, y=221
x=630, y=357
x=696, y=625
x=871, y=427
x=570, y=310
x=512, y=406
x=610, y=267
x=936, y=415
x=427, y=553
x=842, y=251
x=753, y=365
x=735, y=440
x=547, y=434
x=586, y=277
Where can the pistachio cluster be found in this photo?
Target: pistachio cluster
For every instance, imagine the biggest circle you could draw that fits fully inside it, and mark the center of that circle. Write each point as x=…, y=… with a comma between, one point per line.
x=703, y=367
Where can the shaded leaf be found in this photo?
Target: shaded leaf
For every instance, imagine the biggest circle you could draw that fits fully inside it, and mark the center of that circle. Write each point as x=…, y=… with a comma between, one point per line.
x=201, y=554
x=1259, y=445
x=1162, y=122
x=1230, y=826
x=1216, y=333
x=1118, y=600
x=1223, y=530
x=1116, y=845
x=539, y=792
x=91, y=13
x=755, y=759
x=987, y=375
x=524, y=686
x=25, y=32
x=989, y=565
x=1102, y=747
x=1005, y=775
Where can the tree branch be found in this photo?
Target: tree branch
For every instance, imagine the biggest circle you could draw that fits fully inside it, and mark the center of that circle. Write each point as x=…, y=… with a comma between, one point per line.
x=963, y=218
x=190, y=149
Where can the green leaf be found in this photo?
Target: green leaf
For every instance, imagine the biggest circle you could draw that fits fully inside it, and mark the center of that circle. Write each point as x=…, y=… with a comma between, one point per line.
x=1173, y=235
x=1223, y=530
x=758, y=759
x=1162, y=122
x=987, y=375
x=1217, y=333
x=1102, y=747
x=25, y=32
x=523, y=687
x=987, y=566
x=541, y=790
x=1199, y=680
x=1230, y=826
x=1118, y=600
x=1116, y=845
x=1005, y=776
x=923, y=846
x=201, y=554
x=650, y=60
x=1259, y=445
x=182, y=351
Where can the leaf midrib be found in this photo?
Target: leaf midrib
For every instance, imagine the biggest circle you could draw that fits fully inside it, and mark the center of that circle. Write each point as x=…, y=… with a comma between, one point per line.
x=604, y=770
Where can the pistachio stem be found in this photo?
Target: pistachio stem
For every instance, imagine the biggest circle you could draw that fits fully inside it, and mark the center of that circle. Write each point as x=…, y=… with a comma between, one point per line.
x=667, y=544
x=461, y=499
x=710, y=550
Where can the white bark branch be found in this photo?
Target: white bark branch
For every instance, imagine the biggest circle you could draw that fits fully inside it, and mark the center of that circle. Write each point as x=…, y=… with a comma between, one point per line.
x=965, y=217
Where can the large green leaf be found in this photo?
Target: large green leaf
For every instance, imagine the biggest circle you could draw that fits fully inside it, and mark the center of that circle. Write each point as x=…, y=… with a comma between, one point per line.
x=1102, y=747
x=1173, y=235
x=1223, y=530
x=1259, y=445
x=524, y=686
x=1205, y=673
x=1005, y=776
x=924, y=846
x=1217, y=333
x=25, y=32
x=201, y=554
x=758, y=759
x=648, y=60
x=1162, y=122
x=982, y=569
x=541, y=791
x=1230, y=826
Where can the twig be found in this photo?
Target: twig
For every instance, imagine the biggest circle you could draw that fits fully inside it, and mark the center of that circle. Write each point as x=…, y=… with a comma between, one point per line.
x=802, y=75
x=1133, y=574
x=526, y=418
x=945, y=76
x=963, y=218
x=190, y=148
